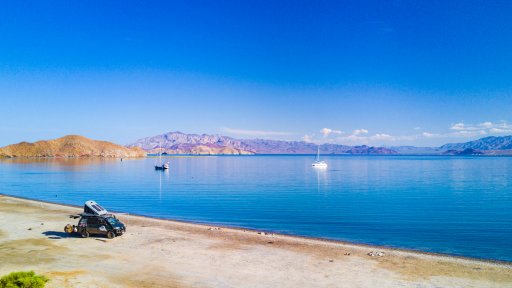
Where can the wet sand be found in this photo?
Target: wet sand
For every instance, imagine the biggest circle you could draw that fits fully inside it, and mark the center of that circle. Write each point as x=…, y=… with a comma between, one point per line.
x=161, y=253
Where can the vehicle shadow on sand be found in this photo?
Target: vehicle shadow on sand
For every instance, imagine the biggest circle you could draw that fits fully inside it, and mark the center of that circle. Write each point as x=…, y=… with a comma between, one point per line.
x=55, y=235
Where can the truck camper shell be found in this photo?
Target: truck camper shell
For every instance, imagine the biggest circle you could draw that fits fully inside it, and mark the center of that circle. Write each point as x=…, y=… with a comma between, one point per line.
x=93, y=208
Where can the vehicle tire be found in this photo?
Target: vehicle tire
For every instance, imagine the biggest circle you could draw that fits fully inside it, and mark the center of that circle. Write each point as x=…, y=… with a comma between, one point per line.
x=111, y=234
x=84, y=234
x=68, y=229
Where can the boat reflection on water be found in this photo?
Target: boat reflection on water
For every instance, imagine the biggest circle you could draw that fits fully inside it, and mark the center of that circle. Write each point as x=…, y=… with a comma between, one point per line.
x=167, y=175
x=321, y=179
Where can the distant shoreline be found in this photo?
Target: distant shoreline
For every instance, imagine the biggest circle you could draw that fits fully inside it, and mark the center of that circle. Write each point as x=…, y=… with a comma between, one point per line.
x=252, y=155
x=256, y=155
x=329, y=155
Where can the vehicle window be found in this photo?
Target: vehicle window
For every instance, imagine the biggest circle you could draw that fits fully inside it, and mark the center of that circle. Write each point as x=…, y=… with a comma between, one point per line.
x=93, y=221
x=112, y=220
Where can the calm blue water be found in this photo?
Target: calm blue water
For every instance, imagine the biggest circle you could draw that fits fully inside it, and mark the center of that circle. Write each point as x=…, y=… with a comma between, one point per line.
x=460, y=206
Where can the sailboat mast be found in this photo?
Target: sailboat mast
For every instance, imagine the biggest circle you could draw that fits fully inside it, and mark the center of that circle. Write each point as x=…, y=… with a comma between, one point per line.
x=160, y=152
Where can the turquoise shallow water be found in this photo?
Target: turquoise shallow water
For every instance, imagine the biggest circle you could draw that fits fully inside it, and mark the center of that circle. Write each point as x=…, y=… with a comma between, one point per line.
x=460, y=206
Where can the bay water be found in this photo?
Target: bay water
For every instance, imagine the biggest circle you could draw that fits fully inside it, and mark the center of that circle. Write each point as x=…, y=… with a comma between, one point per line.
x=454, y=205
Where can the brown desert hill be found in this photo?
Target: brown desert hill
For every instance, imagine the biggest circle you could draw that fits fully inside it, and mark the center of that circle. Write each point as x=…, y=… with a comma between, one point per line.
x=70, y=146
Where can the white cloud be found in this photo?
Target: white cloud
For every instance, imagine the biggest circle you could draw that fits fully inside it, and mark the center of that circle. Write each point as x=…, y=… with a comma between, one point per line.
x=327, y=131
x=359, y=137
x=484, y=128
x=429, y=135
x=458, y=126
x=461, y=130
x=254, y=133
x=500, y=130
x=486, y=125
x=382, y=137
x=504, y=125
x=307, y=138
x=359, y=132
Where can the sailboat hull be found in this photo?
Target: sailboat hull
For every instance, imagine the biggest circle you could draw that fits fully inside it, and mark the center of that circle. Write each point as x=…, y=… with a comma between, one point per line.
x=319, y=164
x=162, y=167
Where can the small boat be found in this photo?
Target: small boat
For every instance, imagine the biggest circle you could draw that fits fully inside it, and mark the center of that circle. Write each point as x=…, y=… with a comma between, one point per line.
x=161, y=166
x=318, y=163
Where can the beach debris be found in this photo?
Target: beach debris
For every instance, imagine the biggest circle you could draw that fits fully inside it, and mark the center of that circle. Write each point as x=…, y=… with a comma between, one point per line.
x=29, y=229
x=42, y=223
x=270, y=242
x=376, y=254
x=213, y=228
x=347, y=254
x=330, y=260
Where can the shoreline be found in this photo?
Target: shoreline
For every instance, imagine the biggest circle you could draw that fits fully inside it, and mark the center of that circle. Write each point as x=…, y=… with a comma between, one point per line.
x=168, y=253
x=502, y=263
x=506, y=155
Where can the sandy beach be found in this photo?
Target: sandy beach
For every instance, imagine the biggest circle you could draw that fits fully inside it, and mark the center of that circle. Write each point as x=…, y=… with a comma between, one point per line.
x=161, y=253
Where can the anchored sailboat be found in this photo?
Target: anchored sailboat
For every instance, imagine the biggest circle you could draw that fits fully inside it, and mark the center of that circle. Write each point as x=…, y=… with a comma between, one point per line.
x=318, y=163
x=160, y=165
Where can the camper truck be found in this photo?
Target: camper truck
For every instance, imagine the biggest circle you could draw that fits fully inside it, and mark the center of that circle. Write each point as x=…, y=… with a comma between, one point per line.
x=96, y=220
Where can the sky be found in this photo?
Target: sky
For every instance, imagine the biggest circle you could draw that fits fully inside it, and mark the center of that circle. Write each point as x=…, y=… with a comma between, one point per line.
x=387, y=73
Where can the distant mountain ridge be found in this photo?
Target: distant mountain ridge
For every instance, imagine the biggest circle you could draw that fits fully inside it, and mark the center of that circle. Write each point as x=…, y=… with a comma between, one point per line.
x=70, y=146
x=181, y=143
x=487, y=143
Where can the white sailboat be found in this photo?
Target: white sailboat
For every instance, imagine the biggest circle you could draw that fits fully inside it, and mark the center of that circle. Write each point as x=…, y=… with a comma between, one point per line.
x=161, y=166
x=318, y=163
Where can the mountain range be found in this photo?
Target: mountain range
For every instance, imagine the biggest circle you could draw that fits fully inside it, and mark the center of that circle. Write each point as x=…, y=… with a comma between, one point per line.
x=487, y=143
x=181, y=143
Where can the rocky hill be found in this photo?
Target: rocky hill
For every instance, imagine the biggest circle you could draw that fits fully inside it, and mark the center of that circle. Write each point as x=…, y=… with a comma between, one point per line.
x=70, y=146
x=180, y=143
x=487, y=143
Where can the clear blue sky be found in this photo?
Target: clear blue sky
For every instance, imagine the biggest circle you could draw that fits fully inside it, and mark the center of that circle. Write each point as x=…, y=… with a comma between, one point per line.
x=375, y=72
